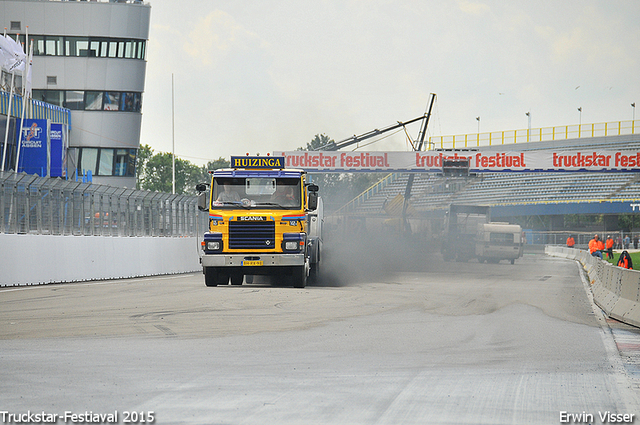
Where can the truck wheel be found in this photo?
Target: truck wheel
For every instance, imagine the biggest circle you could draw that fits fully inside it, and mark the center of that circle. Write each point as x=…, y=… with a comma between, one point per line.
x=214, y=277
x=210, y=276
x=299, y=277
x=236, y=279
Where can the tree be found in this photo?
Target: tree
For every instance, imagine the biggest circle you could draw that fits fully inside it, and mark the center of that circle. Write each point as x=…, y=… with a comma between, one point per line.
x=154, y=172
x=338, y=188
x=205, y=177
x=144, y=154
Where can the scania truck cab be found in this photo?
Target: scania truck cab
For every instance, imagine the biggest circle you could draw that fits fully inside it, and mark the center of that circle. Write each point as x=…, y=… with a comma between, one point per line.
x=263, y=220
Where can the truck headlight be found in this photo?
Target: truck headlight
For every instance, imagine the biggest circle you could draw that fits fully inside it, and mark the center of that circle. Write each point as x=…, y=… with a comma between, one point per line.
x=293, y=242
x=291, y=245
x=212, y=242
x=213, y=245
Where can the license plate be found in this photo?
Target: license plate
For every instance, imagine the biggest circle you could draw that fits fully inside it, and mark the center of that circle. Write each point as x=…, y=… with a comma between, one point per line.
x=252, y=263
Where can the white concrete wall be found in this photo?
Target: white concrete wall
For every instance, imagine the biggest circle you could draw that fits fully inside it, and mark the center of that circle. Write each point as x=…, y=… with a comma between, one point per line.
x=615, y=290
x=37, y=259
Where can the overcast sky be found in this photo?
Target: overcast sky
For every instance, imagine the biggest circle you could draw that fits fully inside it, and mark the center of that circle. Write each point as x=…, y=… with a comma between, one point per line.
x=260, y=76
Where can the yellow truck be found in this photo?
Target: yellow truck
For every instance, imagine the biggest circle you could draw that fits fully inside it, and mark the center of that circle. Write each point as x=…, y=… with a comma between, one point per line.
x=263, y=220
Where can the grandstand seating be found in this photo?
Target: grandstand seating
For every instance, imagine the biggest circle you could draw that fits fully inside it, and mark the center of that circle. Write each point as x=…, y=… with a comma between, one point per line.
x=431, y=192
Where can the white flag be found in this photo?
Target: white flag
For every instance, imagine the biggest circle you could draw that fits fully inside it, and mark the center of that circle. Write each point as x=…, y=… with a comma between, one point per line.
x=27, y=85
x=12, y=56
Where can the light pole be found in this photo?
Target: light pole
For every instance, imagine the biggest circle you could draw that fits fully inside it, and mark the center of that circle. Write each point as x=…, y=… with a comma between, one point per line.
x=633, y=105
x=478, y=119
x=580, y=110
x=580, y=122
x=528, y=114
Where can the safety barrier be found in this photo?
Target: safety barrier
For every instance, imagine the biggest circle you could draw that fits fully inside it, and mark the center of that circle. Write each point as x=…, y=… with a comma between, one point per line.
x=615, y=290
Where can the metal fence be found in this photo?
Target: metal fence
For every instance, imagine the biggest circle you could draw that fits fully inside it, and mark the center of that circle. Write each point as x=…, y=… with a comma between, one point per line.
x=51, y=206
x=576, y=131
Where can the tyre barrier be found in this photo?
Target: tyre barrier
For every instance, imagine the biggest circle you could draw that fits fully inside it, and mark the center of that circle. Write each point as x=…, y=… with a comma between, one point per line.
x=615, y=290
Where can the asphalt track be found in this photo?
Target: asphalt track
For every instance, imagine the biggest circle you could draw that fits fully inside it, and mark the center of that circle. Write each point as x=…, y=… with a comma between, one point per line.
x=375, y=342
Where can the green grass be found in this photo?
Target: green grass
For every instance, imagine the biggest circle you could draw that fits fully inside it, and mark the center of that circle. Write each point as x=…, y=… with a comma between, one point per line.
x=635, y=258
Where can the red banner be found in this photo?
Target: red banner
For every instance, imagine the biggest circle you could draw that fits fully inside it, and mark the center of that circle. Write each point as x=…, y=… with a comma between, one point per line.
x=479, y=161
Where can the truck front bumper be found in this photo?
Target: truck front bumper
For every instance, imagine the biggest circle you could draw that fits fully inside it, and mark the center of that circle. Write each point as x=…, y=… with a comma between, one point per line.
x=240, y=260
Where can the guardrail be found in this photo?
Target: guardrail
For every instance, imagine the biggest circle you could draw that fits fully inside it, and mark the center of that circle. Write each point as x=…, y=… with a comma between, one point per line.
x=52, y=206
x=615, y=290
x=564, y=132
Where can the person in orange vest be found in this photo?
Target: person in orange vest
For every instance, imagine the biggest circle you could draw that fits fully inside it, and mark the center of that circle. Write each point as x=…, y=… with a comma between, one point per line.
x=596, y=247
x=570, y=242
x=625, y=260
x=609, y=246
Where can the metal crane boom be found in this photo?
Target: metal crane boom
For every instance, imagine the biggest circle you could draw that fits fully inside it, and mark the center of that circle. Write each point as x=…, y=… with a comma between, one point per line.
x=334, y=146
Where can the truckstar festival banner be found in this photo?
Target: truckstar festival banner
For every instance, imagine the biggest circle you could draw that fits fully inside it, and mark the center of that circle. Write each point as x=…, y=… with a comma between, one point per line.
x=479, y=161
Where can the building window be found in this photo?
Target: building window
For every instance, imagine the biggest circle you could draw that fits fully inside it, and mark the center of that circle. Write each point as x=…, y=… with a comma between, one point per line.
x=93, y=101
x=54, y=97
x=53, y=46
x=112, y=101
x=131, y=102
x=79, y=100
x=93, y=47
x=107, y=161
x=88, y=160
x=74, y=99
x=125, y=162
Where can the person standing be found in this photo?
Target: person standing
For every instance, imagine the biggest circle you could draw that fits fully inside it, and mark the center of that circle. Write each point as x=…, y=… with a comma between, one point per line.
x=625, y=261
x=596, y=247
x=609, y=247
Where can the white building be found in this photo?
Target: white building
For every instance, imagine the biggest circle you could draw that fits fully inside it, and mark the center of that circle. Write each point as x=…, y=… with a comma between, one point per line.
x=89, y=57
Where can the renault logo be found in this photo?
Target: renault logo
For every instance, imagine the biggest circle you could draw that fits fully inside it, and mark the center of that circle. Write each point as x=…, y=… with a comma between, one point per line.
x=268, y=242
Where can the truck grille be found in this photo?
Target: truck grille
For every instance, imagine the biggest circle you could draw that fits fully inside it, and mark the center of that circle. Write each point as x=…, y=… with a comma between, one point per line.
x=252, y=234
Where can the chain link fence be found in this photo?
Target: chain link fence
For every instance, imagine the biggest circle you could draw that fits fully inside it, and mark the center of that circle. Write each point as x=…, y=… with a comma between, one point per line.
x=51, y=206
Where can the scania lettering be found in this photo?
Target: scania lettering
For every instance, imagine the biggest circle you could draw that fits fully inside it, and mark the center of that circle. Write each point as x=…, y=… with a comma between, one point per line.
x=262, y=221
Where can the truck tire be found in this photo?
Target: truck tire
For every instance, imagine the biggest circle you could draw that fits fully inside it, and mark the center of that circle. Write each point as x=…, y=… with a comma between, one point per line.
x=236, y=279
x=299, y=277
x=210, y=276
x=213, y=277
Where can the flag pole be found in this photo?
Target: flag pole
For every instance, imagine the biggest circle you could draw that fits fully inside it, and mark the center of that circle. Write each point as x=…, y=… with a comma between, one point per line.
x=25, y=98
x=14, y=65
x=173, y=139
x=6, y=133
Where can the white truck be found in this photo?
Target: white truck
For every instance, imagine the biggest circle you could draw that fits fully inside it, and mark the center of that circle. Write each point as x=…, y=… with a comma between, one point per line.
x=497, y=241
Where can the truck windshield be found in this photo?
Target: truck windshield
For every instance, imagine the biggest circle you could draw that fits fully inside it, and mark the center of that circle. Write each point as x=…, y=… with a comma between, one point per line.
x=256, y=193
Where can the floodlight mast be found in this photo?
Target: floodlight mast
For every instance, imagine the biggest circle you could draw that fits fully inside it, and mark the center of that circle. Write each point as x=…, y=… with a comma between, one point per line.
x=407, y=190
x=334, y=146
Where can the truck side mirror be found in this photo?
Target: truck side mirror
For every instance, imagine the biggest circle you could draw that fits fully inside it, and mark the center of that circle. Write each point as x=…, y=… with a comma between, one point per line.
x=203, y=198
x=201, y=187
x=312, y=202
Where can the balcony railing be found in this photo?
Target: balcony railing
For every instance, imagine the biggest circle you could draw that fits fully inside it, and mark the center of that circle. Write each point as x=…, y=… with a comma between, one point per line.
x=576, y=131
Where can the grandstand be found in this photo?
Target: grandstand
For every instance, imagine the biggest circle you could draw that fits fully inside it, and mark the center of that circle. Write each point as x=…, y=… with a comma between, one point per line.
x=514, y=194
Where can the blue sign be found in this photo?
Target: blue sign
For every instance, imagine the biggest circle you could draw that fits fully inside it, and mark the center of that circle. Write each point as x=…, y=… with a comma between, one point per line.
x=58, y=157
x=33, y=147
x=258, y=162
